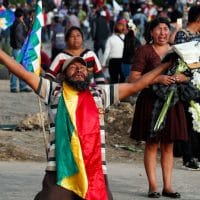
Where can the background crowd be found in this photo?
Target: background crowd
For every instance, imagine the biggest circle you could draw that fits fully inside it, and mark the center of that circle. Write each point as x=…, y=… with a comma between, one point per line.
x=127, y=41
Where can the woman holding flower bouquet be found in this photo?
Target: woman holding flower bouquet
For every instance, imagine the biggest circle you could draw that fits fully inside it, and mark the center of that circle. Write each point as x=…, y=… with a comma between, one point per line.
x=148, y=57
x=191, y=149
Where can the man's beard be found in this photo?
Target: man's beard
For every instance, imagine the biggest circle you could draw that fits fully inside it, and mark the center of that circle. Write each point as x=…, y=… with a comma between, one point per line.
x=78, y=85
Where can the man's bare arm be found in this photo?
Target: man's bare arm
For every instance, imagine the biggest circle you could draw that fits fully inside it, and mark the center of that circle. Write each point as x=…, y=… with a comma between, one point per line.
x=127, y=89
x=30, y=78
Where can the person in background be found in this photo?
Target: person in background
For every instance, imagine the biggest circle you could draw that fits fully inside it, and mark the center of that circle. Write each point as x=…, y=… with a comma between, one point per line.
x=18, y=33
x=58, y=37
x=190, y=149
x=130, y=45
x=83, y=18
x=100, y=31
x=140, y=20
x=29, y=18
x=44, y=27
x=150, y=10
x=82, y=14
x=75, y=163
x=49, y=21
x=73, y=19
x=114, y=52
x=176, y=24
x=75, y=47
x=148, y=57
x=45, y=61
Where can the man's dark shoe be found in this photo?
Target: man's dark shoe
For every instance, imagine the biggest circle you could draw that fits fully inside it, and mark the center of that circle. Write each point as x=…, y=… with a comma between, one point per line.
x=174, y=195
x=191, y=165
x=26, y=90
x=13, y=90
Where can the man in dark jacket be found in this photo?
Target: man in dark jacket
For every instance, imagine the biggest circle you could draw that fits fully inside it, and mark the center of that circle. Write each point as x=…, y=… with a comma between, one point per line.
x=18, y=33
x=100, y=32
x=58, y=38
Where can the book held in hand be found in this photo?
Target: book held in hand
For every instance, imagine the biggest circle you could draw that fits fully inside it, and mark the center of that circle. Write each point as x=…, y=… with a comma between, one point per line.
x=189, y=52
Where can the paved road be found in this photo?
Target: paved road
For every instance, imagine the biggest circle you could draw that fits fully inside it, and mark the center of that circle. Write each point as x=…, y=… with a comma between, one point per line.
x=21, y=181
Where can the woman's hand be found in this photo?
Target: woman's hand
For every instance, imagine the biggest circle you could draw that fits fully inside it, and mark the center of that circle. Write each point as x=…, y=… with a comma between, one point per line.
x=165, y=79
x=181, y=78
x=104, y=67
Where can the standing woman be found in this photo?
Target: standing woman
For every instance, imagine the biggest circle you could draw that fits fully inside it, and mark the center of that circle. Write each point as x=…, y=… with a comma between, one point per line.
x=114, y=52
x=191, y=149
x=148, y=57
x=75, y=47
x=131, y=43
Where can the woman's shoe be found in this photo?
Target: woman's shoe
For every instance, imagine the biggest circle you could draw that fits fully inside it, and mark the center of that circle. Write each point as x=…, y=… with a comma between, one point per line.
x=174, y=195
x=154, y=195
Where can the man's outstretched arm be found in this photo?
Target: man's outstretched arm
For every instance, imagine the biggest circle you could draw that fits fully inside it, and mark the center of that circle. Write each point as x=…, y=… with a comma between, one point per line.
x=30, y=78
x=127, y=89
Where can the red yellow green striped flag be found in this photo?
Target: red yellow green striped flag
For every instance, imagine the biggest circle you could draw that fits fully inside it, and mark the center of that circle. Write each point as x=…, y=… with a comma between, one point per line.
x=78, y=145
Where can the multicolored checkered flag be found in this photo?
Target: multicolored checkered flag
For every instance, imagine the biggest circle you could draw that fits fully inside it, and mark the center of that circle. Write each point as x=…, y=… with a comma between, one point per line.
x=7, y=18
x=30, y=55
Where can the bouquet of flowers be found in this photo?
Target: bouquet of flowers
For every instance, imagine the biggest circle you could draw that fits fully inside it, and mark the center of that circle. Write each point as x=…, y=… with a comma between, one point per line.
x=194, y=108
x=187, y=62
x=181, y=67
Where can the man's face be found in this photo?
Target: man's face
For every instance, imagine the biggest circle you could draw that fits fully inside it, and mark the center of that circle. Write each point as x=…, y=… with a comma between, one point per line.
x=76, y=75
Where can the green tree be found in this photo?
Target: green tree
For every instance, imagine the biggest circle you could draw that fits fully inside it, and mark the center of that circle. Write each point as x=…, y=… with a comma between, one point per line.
x=15, y=2
x=159, y=2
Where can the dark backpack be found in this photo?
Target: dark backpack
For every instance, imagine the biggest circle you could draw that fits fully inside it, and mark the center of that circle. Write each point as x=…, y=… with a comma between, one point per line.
x=58, y=38
x=59, y=42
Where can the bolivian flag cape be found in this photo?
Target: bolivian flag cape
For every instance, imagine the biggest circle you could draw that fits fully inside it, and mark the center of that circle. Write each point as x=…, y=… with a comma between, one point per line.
x=78, y=146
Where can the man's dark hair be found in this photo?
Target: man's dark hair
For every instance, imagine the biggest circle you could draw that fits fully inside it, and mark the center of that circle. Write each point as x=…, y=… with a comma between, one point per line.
x=194, y=13
x=174, y=15
x=56, y=19
x=19, y=12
